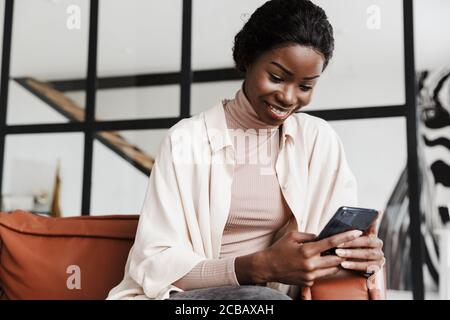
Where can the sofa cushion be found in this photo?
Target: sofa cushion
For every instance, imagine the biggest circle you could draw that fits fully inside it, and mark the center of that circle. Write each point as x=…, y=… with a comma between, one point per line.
x=63, y=258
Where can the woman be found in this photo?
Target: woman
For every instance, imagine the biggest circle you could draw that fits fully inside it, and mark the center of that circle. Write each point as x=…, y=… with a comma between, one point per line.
x=227, y=219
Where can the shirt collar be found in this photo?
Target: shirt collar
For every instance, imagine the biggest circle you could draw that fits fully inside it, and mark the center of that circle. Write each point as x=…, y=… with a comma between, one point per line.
x=217, y=130
x=216, y=127
x=288, y=129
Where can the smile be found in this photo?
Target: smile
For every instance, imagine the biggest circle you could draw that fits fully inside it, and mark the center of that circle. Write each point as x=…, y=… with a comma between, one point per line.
x=277, y=113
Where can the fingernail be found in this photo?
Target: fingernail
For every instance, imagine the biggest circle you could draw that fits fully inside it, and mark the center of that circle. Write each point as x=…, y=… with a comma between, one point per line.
x=346, y=264
x=372, y=269
x=357, y=233
x=341, y=252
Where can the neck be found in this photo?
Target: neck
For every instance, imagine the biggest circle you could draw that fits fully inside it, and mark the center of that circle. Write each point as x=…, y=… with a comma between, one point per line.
x=242, y=114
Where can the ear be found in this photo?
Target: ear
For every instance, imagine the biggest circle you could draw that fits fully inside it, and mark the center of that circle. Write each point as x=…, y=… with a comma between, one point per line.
x=248, y=67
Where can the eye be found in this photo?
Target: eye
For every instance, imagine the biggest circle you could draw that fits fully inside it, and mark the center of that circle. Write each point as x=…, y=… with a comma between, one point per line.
x=305, y=88
x=275, y=78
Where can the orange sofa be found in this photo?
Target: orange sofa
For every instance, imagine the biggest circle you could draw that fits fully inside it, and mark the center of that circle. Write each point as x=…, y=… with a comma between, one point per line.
x=84, y=257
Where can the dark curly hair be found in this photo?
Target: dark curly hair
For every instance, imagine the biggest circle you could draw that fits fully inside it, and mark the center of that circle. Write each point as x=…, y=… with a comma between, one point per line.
x=278, y=22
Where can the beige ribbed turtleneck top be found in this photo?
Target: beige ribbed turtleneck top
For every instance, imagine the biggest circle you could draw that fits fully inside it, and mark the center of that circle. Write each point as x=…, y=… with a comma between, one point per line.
x=258, y=209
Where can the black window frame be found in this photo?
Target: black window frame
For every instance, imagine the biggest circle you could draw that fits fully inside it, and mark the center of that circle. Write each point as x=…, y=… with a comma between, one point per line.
x=185, y=79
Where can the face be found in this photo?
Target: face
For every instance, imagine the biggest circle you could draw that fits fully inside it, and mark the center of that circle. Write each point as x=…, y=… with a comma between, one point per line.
x=281, y=81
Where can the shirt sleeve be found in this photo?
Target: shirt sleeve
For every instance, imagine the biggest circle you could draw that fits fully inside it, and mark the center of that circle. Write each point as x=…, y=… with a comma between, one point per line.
x=162, y=251
x=209, y=273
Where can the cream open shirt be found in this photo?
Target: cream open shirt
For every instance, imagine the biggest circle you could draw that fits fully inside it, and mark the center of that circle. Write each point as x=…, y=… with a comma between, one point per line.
x=187, y=202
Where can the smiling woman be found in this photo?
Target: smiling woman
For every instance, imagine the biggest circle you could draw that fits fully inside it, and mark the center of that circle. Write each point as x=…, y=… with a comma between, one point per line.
x=237, y=227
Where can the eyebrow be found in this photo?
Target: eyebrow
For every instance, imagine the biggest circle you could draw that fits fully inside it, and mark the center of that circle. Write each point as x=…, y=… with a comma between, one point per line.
x=290, y=72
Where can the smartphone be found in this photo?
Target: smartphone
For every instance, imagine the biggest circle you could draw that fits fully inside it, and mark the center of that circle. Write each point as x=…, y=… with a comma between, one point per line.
x=346, y=219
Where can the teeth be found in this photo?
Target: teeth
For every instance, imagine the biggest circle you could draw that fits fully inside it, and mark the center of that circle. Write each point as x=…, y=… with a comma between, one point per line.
x=278, y=112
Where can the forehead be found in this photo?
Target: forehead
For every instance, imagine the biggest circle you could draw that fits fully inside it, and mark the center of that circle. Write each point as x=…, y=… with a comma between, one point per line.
x=301, y=60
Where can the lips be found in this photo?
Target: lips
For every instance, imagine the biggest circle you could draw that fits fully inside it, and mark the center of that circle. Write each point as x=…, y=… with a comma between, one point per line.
x=276, y=112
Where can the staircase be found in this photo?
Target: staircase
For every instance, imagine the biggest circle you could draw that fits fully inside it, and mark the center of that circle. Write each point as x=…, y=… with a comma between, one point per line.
x=69, y=109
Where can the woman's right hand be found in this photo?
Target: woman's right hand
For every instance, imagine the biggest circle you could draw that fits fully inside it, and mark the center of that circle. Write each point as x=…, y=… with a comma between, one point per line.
x=295, y=258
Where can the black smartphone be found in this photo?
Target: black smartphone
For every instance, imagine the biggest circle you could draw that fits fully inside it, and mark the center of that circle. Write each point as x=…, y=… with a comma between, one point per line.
x=346, y=219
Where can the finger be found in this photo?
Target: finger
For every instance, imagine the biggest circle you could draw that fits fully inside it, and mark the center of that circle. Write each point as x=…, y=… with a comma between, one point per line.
x=306, y=292
x=368, y=267
x=373, y=228
x=302, y=237
x=364, y=254
x=323, y=262
x=320, y=273
x=314, y=248
x=370, y=241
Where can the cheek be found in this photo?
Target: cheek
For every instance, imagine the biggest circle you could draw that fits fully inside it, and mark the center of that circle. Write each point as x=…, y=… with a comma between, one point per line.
x=306, y=98
x=261, y=84
x=264, y=86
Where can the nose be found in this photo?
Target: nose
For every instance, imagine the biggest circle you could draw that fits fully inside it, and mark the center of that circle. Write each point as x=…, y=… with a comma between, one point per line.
x=286, y=97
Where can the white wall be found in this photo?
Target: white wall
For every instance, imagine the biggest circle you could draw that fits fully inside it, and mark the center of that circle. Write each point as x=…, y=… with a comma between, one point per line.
x=25, y=108
x=133, y=103
x=117, y=187
x=376, y=151
x=42, y=45
x=144, y=36
x=2, y=12
x=432, y=33
x=139, y=36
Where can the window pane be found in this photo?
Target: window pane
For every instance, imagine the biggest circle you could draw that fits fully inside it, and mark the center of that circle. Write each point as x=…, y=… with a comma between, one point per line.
x=2, y=16
x=136, y=38
x=376, y=151
x=122, y=162
x=138, y=103
x=134, y=103
x=205, y=95
x=222, y=19
x=368, y=66
x=30, y=168
x=49, y=43
x=139, y=37
x=431, y=26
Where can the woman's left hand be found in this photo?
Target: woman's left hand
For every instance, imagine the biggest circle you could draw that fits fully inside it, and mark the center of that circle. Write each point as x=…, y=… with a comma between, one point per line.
x=364, y=253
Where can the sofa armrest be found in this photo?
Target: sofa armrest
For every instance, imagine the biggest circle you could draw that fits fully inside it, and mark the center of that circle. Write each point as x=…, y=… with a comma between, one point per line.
x=38, y=253
x=345, y=285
